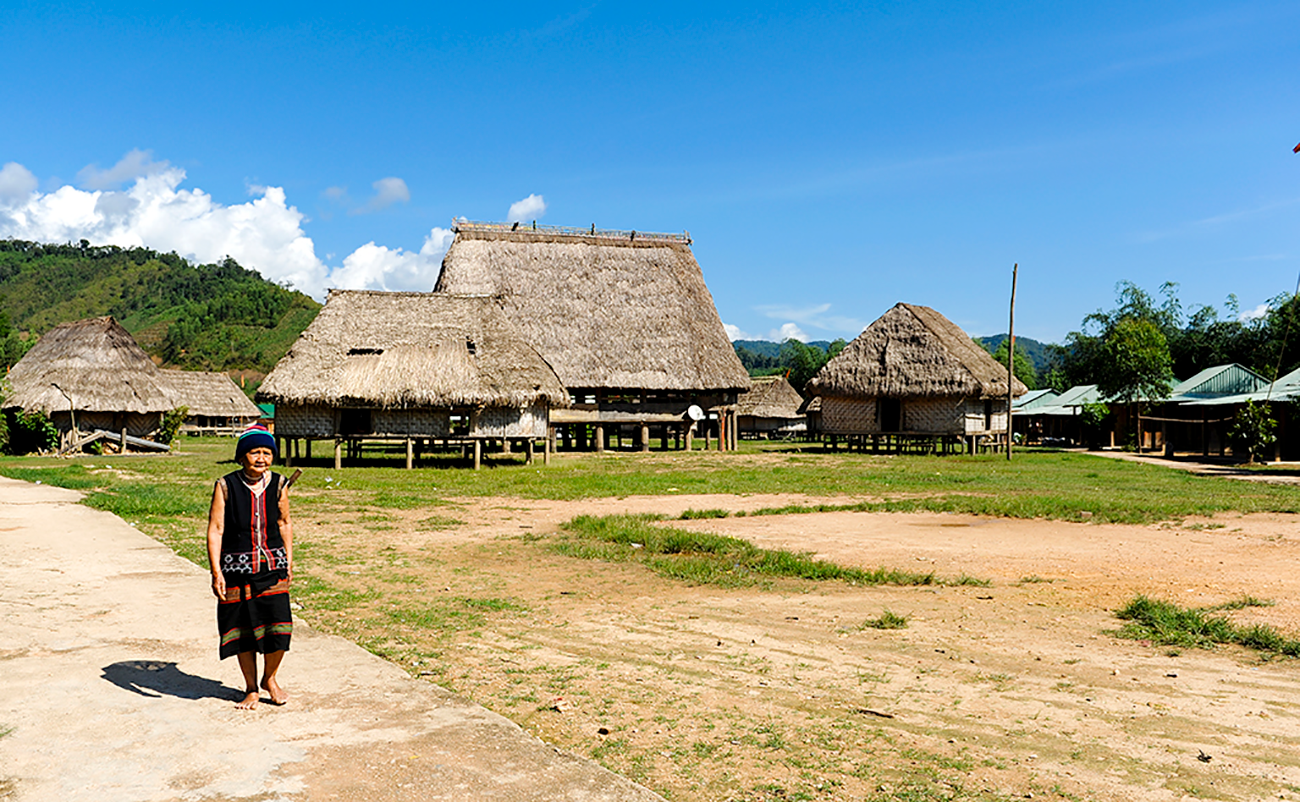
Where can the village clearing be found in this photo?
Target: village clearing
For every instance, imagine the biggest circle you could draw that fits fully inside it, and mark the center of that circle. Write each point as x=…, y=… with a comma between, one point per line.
x=784, y=689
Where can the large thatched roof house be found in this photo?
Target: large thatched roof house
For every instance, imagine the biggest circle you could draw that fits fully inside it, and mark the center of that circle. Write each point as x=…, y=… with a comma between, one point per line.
x=913, y=372
x=770, y=409
x=91, y=370
x=402, y=365
x=623, y=317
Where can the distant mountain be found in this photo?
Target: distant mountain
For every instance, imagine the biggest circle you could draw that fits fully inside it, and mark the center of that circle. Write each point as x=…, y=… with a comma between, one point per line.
x=1035, y=351
x=767, y=348
x=220, y=317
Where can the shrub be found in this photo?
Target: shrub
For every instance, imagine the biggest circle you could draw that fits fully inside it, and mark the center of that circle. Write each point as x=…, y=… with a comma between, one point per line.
x=171, y=424
x=32, y=431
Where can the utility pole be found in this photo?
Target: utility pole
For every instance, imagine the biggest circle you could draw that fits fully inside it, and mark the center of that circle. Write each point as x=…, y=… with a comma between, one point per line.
x=1011, y=355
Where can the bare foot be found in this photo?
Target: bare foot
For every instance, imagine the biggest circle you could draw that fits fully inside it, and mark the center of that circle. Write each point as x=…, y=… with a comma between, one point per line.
x=249, y=701
x=278, y=696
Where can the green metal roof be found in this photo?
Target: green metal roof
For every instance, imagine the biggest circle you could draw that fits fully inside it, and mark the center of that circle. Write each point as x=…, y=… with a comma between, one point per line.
x=1220, y=380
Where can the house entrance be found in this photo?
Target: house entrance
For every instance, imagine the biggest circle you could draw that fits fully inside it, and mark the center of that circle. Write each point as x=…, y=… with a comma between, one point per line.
x=891, y=415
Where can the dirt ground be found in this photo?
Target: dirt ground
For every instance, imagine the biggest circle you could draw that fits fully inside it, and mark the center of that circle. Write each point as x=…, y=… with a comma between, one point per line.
x=1015, y=690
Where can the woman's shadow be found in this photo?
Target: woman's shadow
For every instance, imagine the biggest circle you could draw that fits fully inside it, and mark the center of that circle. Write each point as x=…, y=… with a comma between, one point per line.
x=143, y=676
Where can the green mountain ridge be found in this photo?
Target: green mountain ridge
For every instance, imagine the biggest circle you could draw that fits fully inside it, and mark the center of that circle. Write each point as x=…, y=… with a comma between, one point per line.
x=218, y=317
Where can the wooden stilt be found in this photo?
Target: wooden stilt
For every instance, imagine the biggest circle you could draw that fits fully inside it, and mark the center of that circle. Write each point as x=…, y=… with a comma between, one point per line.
x=529, y=459
x=645, y=437
x=600, y=438
x=338, y=455
x=410, y=453
x=478, y=453
x=546, y=451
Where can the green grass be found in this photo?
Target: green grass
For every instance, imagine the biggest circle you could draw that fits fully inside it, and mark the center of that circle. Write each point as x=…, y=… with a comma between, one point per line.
x=1061, y=486
x=1166, y=624
x=886, y=620
x=710, y=559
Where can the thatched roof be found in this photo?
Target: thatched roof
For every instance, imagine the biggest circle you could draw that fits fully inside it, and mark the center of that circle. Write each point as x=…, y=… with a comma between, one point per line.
x=913, y=351
x=770, y=397
x=212, y=395
x=608, y=310
x=94, y=361
x=395, y=349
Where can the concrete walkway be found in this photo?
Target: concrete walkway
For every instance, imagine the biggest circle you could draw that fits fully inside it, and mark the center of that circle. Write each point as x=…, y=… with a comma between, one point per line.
x=111, y=689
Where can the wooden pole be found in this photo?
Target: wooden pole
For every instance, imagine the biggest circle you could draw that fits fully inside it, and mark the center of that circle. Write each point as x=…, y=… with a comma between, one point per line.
x=1011, y=354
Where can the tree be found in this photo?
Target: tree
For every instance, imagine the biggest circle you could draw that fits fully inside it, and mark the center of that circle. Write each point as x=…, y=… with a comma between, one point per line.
x=1137, y=363
x=1023, y=368
x=1254, y=429
x=803, y=361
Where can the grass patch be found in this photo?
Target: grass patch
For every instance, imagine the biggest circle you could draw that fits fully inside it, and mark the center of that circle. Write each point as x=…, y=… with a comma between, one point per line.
x=693, y=515
x=72, y=477
x=710, y=559
x=886, y=620
x=1167, y=624
x=436, y=522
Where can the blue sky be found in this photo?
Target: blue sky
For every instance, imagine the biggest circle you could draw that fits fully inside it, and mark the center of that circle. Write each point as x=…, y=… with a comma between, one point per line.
x=829, y=159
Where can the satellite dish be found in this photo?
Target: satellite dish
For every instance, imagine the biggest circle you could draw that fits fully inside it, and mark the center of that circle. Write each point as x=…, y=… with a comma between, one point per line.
x=694, y=413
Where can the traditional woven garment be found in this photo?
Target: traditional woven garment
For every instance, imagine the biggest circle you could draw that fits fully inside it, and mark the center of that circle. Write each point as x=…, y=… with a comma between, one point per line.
x=254, y=616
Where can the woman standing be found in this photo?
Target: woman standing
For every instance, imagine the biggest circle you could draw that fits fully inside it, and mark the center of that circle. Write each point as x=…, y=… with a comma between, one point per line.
x=250, y=553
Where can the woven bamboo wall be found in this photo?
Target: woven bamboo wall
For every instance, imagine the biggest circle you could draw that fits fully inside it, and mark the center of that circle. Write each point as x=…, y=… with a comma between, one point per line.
x=934, y=415
x=849, y=416
x=304, y=421
x=138, y=424
x=973, y=414
x=511, y=422
x=412, y=422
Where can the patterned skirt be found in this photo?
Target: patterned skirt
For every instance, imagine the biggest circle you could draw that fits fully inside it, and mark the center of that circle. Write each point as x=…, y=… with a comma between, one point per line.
x=255, y=616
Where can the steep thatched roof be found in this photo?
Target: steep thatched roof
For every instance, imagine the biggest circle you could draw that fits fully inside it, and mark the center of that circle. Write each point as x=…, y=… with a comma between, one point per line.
x=913, y=351
x=94, y=361
x=212, y=395
x=608, y=310
x=770, y=397
x=395, y=349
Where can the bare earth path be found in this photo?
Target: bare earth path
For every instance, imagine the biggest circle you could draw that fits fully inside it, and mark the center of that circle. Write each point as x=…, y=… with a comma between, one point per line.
x=110, y=690
x=1005, y=691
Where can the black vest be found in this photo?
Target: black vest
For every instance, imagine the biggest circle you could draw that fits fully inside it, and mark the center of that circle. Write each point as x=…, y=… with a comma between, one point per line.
x=243, y=555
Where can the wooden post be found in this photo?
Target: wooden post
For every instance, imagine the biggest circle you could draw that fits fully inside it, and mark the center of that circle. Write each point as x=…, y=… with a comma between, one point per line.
x=1011, y=354
x=645, y=437
x=690, y=435
x=529, y=459
x=600, y=438
x=546, y=451
x=478, y=453
x=505, y=445
x=722, y=430
x=708, y=434
x=338, y=455
x=410, y=454
x=308, y=448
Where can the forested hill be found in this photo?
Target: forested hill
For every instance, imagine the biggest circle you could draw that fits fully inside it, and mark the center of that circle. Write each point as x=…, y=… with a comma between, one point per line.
x=220, y=317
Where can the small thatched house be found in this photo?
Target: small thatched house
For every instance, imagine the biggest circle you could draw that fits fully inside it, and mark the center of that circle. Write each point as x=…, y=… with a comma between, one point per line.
x=411, y=366
x=214, y=402
x=770, y=409
x=623, y=317
x=914, y=375
x=88, y=375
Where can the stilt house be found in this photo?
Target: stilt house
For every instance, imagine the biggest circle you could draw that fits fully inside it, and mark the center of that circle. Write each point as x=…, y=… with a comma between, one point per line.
x=88, y=375
x=214, y=403
x=913, y=377
x=770, y=409
x=624, y=318
x=412, y=367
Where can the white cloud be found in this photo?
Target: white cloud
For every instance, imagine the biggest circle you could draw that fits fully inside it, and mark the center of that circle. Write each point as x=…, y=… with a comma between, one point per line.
x=788, y=331
x=335, y=193
x=1253, y=314
x=387, y=192
x=376, y=267
x=814, y=317
x=734, y=333
x=16, y=184
x=530, y=208
x=136, y=164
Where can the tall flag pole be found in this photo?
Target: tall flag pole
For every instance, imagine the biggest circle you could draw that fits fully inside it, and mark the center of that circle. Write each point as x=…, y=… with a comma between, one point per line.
x=1011, y=355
